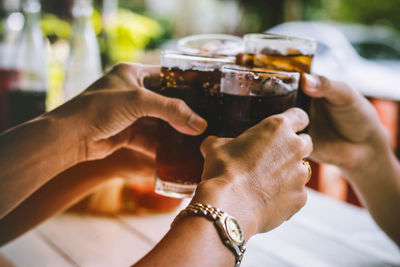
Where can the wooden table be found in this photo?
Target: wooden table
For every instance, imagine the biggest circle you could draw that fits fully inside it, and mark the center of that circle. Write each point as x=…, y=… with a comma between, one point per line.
x=325, y=232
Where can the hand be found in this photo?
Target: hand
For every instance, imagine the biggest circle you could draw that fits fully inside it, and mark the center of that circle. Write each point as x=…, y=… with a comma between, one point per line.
x=103, y=114
x=123, y=163
x=258, y=177
x=345, y=127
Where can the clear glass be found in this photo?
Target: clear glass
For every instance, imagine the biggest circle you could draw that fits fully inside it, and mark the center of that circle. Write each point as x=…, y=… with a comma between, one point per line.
x=31, y=58
x=256, y=42
x=277, y=52
x=196, y=80
x=83, y=65
x=249, y=95
x=138, y=193
x=211, y=44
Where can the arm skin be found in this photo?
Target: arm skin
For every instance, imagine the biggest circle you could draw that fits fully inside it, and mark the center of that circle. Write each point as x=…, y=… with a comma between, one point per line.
x=257, y=177
x=70, y=186
x=347, y=133
x=52, y=147
x=89, y=127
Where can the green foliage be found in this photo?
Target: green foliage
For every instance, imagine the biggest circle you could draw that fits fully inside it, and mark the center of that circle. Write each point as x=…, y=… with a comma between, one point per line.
x=1, y=29
x=260, y=15
x=122, y=39
x=52, y=26
x=369, y=12
x=372, y=12
x=138, y=6
x=128, y=34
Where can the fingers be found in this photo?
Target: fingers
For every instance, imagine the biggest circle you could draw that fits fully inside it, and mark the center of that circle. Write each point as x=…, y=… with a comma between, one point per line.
x=307, y=144
x=212, y=141
x=296, y=119
x=336, y=93
x=172, y=110
x=151, y=78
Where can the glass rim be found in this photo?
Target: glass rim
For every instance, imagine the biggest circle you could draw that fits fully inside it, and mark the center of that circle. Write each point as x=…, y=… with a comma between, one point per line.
x=238, y=68
x=180, y=55
x=272, y=36
x=183, y=43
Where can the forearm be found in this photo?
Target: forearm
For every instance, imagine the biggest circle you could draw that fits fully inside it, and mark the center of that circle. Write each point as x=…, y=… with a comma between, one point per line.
x=55, y=196
x=378, y=183
x=194, y=240
x=32, y=154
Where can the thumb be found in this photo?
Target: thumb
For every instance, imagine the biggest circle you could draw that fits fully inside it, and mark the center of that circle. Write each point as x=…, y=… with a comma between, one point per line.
x=173, y=110
x=335, y=93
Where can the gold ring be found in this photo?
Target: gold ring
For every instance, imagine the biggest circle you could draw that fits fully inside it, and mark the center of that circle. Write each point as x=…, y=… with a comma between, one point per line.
x=307, y=164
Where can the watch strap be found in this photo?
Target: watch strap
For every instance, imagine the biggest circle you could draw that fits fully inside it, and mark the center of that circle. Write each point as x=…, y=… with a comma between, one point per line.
x=219, y=218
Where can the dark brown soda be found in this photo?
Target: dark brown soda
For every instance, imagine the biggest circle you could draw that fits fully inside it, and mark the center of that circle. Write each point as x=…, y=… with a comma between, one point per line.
x=178, y=155
x=249, y=97
x=239, y=112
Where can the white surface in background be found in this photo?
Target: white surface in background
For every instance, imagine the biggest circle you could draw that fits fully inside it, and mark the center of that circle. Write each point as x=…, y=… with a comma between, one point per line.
x=337, y=59
x=325, y=232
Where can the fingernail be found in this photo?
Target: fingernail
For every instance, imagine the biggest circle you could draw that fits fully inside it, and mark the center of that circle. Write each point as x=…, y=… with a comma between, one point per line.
x=311, y=83
x=197, y=123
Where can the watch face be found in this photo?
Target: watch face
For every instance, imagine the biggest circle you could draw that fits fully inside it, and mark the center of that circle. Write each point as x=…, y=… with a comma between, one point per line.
x=234, y=231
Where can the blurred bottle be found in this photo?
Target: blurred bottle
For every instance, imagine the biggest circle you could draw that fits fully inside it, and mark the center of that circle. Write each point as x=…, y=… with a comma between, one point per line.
x=24, y=80
x=109, y=13
x=11, y=23
x=83, y=65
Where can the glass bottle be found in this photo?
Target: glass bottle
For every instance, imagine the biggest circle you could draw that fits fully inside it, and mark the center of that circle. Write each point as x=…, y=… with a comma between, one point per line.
x=11, y=23
x=26, y=91
x=83, y=64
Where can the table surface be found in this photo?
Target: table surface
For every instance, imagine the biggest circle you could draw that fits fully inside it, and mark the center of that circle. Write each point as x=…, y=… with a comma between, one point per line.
x=325, y=232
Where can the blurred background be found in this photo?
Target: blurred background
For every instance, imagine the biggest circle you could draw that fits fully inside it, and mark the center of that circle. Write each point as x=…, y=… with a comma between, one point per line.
x=358, y=42
x=134, y=30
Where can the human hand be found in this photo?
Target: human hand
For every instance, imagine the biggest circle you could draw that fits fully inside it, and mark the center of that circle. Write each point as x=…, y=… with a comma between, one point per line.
x=345, y=127
x=123, y=163
x=104, y=114
x=258, y=177
x=113, y=173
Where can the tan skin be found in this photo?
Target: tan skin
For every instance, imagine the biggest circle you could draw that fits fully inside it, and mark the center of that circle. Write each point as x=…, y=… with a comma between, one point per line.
x=347, y=133
x=258, y=177
x=261, y=183
x=89, y=127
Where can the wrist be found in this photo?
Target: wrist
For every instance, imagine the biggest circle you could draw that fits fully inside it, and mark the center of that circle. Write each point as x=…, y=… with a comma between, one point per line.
x=372, y=157
x=224, y=196
x=70, y=135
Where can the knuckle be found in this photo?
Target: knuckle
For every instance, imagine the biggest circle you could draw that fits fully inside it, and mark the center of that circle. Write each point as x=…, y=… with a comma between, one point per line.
x=208, y=143
x=299, y=143
x=136, y=95
x=300, y=146
x=301, y=114
x=120, y=67
x=341, y=84
x=178, y=105
x=275, y=122
x=323, y=82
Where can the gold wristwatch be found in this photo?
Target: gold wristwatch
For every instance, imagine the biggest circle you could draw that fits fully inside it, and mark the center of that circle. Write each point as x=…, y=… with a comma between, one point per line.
x=228, y=228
